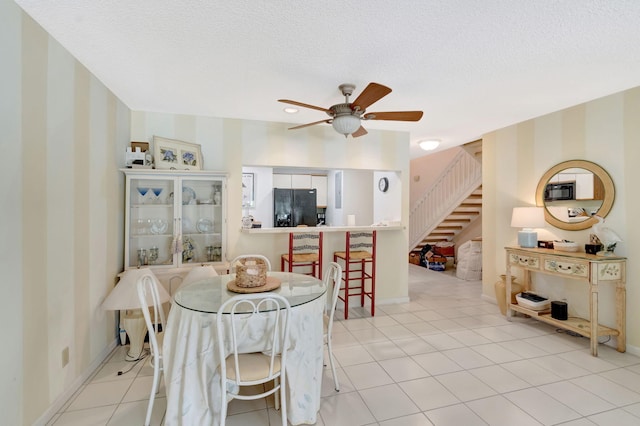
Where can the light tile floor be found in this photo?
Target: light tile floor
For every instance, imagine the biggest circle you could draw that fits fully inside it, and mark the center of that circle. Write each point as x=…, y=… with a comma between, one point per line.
x=445, y=358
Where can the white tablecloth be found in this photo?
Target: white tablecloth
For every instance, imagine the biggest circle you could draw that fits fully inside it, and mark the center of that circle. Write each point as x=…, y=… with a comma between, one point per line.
x=191, y=360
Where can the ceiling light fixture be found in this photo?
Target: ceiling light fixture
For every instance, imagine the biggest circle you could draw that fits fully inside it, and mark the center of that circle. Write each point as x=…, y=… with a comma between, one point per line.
x=429, y=145
x=290, y=110
x=346, y=124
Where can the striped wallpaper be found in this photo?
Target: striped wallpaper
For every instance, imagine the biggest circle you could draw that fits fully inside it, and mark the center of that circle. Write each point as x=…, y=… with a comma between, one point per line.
x=64, y=134
x=604, y=131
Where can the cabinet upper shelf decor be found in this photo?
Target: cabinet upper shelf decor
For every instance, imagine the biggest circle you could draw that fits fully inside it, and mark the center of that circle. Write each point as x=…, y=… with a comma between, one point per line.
x=176, y=155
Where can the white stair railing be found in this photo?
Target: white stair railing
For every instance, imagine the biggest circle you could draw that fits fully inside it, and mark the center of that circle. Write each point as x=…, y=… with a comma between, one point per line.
x=462, y=176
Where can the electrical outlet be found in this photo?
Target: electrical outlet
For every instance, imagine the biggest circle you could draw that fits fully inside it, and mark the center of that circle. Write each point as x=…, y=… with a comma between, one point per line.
x=65, y=356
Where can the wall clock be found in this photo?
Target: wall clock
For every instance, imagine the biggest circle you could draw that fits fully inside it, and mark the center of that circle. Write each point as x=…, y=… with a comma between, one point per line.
x=383, y=184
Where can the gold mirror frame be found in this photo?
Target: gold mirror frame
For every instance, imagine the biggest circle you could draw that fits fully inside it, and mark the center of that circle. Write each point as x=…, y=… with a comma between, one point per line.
x=607, y=202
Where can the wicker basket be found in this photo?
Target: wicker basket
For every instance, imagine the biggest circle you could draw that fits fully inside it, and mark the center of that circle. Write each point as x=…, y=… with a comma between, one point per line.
x=251, y=272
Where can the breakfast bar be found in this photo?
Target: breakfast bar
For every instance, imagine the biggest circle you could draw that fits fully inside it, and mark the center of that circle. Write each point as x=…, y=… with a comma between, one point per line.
x=391, y=264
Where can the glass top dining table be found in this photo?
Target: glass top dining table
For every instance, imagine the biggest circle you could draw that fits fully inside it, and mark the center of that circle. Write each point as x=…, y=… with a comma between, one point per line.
x=190, y=349
x=209, y=294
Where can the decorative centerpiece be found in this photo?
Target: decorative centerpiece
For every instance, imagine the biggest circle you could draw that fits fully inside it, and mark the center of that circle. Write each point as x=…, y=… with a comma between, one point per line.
x=251, y=272
x=607, y=236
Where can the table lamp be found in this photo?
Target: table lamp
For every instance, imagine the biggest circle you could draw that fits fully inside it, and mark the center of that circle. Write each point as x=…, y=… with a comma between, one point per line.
x=124, y=297
x=527, y=218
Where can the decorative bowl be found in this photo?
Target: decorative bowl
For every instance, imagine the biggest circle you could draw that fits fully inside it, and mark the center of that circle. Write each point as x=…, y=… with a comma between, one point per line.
x=540, y=304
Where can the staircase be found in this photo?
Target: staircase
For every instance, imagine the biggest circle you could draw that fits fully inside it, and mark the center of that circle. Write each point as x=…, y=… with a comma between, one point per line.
x=460, y=218
x=451, y=204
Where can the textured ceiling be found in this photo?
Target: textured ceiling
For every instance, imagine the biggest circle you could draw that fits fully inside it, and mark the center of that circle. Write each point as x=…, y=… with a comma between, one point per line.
x=471, y=66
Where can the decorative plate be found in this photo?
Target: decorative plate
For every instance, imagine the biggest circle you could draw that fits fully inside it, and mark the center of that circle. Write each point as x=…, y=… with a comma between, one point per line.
x=188, y=195
x=187, y=226
x=158, y=226
x=204, y=225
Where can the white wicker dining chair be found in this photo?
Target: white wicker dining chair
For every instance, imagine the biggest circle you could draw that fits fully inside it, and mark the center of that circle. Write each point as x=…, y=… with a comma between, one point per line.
x=239, y=369
x=198, y=273
x=332, y=278
x=149, y=297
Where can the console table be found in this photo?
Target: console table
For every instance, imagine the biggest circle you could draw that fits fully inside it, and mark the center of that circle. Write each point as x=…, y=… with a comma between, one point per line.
x=591, y=269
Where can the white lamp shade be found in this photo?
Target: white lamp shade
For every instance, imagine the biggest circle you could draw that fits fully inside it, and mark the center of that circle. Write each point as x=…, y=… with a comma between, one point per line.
x=125, y=294
x=527, y=217
x=346, y=124
x=199, y=273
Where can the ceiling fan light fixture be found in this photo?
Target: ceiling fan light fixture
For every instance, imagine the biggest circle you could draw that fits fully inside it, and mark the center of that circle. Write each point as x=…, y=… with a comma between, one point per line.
x=290, y=110
x=346, y=124
x=429, y=145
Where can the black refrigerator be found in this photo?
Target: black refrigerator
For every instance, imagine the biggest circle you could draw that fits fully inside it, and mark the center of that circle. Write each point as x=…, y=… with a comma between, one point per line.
x=294, y=207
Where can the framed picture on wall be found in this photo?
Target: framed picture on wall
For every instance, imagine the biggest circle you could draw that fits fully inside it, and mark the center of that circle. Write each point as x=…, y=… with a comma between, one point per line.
x=176, y=155
x=248, y=194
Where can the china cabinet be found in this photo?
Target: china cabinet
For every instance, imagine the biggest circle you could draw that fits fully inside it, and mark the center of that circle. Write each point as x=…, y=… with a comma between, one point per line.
x=174, y=218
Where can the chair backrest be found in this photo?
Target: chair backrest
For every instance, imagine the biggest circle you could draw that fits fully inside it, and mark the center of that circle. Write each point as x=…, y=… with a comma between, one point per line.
x=199, y=273
x=301, y=243
x=333, y=278
x=149, y=296
x=232, y=265
x=265, y=315
x=361, y=241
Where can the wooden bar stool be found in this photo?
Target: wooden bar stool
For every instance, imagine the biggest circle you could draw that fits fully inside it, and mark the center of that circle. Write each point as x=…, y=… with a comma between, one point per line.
x=305, y=250
x=360, y=252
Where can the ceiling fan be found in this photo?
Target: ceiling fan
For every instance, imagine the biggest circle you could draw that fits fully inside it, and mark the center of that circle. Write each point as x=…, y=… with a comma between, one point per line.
x=346, y=117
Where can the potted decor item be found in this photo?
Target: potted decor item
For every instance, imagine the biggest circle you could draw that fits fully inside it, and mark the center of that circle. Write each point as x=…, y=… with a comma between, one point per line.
x=500, y=287
x=251, y=272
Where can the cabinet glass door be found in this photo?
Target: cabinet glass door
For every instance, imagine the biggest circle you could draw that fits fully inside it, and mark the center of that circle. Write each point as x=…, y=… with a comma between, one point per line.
x=201, y=220
x=151, y=221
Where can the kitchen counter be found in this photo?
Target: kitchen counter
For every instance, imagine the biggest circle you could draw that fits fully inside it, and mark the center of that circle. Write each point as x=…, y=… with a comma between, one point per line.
x=312, y=229
x=391, y=265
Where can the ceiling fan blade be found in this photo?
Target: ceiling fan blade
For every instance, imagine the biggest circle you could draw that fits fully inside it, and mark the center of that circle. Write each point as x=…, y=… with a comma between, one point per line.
x=309, y=124
x=394, y=115
x=360, y=132
x=287, y=101
x=372, y=93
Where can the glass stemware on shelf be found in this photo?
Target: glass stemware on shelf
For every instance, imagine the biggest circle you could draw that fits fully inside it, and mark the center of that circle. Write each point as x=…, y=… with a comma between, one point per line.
x=143, y=192
x=156, y=193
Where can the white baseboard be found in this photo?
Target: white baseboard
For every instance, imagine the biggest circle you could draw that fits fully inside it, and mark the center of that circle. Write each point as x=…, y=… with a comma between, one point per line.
x=62, y=399
x=489, y=299
x=392, y=301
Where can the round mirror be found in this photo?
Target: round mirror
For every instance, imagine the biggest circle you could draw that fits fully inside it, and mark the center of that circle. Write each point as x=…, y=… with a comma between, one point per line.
x=573, y=192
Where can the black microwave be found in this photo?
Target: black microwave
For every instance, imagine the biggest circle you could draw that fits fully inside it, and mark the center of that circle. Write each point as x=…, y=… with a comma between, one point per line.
x=560, y=191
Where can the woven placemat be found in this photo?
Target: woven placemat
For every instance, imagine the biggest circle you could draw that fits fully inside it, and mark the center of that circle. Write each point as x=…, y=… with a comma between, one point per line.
x=272, y=284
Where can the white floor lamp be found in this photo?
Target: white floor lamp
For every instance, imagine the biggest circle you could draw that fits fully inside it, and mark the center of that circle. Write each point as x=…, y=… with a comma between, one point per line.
x=124, y=297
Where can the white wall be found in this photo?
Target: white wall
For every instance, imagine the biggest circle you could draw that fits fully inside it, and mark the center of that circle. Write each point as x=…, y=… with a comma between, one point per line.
x=357, y=196
x=386, y=204
x=426, y=169
x=263, y=187
x=604, y=131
